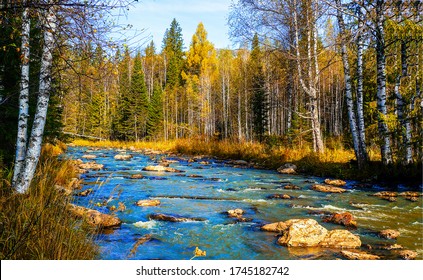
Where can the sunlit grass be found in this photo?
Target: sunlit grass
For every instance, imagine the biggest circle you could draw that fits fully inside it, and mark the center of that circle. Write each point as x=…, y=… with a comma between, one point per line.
x=37, y=225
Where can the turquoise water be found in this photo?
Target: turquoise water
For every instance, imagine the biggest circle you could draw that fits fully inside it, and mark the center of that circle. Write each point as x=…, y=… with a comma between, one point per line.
x=220, y=188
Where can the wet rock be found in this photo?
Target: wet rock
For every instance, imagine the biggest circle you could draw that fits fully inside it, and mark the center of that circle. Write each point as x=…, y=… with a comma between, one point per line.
x=123, y=157
x=239, y=162
x=359, y=255
x=92, y=165
x=336, y=182
x=341, y=238
x=235, y=213
x=139, y=242
x=159, y=168
x=327, y=189
x=85, y=193
x=392, y=247
x=89, y=156
x=389, y=233
x=275, y=227
x=148, y=202
x=412, y=198
x=389, y=198
x=302, y=233
x=94, y=217
x=386, y=194
x=279, y=196
x=287, y=168
x=137, y=176
x=291, y=187
x=168, y=218
x=407, y=254
x=204, y=162
x=410, y=194
x=195, y=176
x=346, y=219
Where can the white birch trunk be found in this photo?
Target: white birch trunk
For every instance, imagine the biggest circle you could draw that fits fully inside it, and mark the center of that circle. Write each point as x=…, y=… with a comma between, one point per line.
x=22, y=137
x=381, y=84
x=348, y=87
x=35, y=141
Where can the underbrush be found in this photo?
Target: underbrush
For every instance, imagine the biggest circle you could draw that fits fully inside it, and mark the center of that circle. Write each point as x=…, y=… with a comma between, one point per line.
x=37, y=225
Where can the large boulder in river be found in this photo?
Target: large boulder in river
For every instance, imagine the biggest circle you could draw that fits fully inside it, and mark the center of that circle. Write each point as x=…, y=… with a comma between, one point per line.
x=302, y=233
x=327, y=189
x=341, y=238
x=94, y=217
x=346, y=219
x=335, y=182
x=389, y=233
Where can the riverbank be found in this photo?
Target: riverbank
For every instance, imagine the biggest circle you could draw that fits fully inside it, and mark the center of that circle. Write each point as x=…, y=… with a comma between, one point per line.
x=336, y=162
x=38, y=225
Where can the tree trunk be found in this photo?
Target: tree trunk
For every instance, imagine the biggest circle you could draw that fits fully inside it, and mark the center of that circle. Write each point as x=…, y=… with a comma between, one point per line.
x=348, y=88
x=381, y=85
x=35, y=141
x=22, y=137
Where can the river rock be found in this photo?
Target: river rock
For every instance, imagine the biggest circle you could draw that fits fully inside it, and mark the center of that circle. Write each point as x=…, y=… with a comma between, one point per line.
x=168, y=218
x=341, y=238
x=336, y=182
x=239, y=162
x=327, y=189
x=291, y=187
x=346, y=219
x=85, y=193
x=122, y=157
x=412, y=198
x=148, y=202
x=386, y=194
x=91, y=165
x=235, y=213
x=389, y=233
x=410, y=194
x=359, y=255
x=302, y=233
x=89, y=156
x=94, y=217
x=137, y=176
x=159, y=168
x=279, y=196
x=407, y=254
x=288, y=171
x=275, y=227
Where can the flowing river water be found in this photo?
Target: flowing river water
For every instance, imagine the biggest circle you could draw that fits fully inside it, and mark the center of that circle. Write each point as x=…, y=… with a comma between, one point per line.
x=209, y=187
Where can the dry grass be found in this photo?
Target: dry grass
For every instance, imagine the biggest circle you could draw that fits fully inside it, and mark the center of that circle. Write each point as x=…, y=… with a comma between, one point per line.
x=37, y=225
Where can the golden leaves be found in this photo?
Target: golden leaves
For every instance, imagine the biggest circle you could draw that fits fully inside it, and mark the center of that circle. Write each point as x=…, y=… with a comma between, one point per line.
x=199, y=253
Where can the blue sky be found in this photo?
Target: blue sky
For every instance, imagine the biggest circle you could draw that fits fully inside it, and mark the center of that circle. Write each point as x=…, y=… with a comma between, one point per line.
x=155, y=17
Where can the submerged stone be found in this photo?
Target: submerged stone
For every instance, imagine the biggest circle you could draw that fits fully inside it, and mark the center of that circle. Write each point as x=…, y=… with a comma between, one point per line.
x=168, y=218
x=359, y=255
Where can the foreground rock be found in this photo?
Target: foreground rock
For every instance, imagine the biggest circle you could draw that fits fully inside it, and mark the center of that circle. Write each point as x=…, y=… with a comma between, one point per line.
x=302, y=233
x=389, y=233
x=308, y=233
x=148, y=202
x=237, y=214
x=94, y=217
x=336, y=182
x=122, y=157
x=407, y=254
x=160, y=168
x=359, y=255
x=340, y=238
x=168, y=218
x=346, y=219
x=327, y=189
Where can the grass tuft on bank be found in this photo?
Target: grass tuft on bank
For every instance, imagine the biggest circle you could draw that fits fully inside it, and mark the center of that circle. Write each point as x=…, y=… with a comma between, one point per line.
x=37, y=225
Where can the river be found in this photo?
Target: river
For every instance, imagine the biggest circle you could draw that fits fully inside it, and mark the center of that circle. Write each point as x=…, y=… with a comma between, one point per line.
x=209, y=187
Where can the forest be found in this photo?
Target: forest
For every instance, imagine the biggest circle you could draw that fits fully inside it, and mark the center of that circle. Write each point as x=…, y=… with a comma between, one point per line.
x=313, y=76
